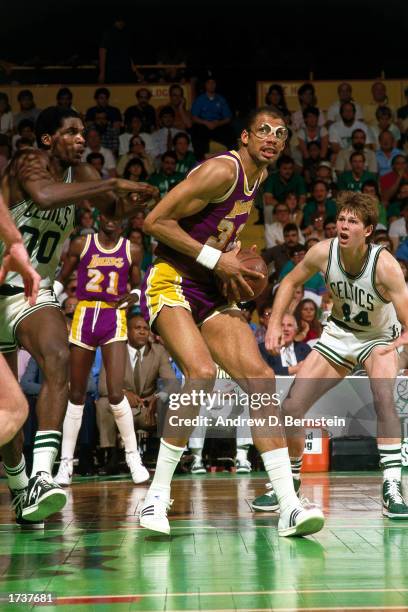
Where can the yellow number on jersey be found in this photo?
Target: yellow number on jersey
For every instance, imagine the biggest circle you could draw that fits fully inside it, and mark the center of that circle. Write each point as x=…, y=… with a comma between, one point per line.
x=97, y=278
x=225, y=229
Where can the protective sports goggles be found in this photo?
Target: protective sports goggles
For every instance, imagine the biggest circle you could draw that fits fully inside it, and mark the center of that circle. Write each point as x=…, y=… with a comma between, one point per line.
x=280, y=132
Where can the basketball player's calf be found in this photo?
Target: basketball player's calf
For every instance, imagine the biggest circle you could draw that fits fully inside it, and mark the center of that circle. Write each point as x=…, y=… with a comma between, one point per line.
x=13, y=405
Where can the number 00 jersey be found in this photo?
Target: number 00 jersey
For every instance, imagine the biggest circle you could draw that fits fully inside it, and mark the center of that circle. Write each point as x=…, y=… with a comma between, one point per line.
x=44, y=233
x=103, y=273
x=357, y=303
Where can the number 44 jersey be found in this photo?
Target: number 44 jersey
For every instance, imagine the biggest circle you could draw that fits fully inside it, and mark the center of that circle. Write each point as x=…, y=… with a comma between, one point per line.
x=357, y=303
x=44, y=233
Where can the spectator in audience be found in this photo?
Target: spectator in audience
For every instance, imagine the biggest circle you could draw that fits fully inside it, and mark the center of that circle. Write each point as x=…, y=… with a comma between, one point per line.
x=379, y=94
x=101, y=97
x=306, y=97
x=292, y=352
x=402, y=113
x=274, y=230
x=116, y=63
x=133, y=128
x=64, y=97
x=137, y=148
x=295, y=212
x=94, y=145
x=6, y=116
x=275, y=98
x=68, y=305
x=398, y=228
x=135, y=170
x=276, y=257
x=298, y=295
x=109, y=135
x=320, y=203
x=391, y=182
x=371, y=188
x=324, y=173
x=177, y=101
x=394, y=207
x=386, y=241
x=167, y=177
x=264, y=312
x=297, y=252
x=309, y=326
x=358, y=144
x=164, y=136
x=144, y=110
x=25, y=130
x=280, y=183
x=312, y=132
x=341, y=131
x=97, y=160
x=211, y=120
x=344, y=91
x=316, y=228
x=86, y=223
x=5, y=152
x=386, y=152
x=28, y=109
x=384, y=124
x=352, y=180
x=185, y=158
x=312, y=162
x=330, y=227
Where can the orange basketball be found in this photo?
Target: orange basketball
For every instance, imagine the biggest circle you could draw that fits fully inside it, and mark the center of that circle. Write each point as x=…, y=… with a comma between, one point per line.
x=254, y=262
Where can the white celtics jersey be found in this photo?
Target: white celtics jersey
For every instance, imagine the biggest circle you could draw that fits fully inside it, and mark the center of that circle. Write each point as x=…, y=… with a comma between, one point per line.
x=357, y=303
x=44, y=233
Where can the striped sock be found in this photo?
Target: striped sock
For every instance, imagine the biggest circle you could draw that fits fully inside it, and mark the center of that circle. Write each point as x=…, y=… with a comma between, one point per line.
x=46, y=445
x=17, y=476
x=296, y=465
x=390, y=461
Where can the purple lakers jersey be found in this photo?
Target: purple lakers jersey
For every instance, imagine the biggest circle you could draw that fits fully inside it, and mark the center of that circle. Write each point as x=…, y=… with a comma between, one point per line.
x=218, y=225
x=103, y=273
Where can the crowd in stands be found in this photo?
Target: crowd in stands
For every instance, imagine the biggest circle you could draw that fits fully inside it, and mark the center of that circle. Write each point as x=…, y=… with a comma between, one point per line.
x=348, y=147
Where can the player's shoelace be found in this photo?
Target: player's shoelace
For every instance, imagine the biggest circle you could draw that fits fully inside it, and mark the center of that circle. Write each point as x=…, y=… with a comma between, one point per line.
x=394, y=491
x=46, y=482
x=18, y=500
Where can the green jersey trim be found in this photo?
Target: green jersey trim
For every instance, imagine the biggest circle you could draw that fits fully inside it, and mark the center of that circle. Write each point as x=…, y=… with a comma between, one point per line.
x=363, y=269
x=378, y=294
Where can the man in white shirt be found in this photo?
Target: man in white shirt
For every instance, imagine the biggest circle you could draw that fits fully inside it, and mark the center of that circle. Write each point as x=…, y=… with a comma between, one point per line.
x=398, y=229
x=341, y=131
x=163, y=138
x=344, y=91
x=358, y=144
x=93, y=142
x=133, y=129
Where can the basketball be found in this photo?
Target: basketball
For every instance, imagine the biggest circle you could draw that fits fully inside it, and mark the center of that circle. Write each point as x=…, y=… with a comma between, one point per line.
x=254, y=262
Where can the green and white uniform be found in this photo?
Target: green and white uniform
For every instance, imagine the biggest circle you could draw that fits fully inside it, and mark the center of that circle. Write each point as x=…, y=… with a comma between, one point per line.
x=361, y=318
x=44, y=233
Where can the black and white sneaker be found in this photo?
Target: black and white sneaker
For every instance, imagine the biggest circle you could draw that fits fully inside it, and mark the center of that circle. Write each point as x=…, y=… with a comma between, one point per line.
x=18, y=497
x=44, y=497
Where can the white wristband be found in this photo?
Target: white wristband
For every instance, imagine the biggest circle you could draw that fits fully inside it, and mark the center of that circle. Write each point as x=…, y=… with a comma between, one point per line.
x=58, y=288
x=208, y=257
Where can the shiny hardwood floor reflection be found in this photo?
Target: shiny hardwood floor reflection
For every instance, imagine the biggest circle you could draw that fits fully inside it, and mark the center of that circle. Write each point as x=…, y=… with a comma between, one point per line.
x=220, y=556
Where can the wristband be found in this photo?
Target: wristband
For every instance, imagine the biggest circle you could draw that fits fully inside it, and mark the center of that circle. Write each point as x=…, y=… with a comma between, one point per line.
x=58, y=288
x=208, y=257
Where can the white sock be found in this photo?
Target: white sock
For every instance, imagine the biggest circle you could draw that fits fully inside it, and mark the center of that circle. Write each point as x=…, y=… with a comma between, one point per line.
x=46, y=445
x=17, y=476
x=242, y=453
x=277, y=465
x=122, y=413
x=390, y=461
x=70, y=429
x=197, y=452
x=167, y=461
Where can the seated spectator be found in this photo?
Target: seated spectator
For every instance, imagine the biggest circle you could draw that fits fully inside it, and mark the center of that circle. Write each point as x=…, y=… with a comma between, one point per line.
x=163, y=137
x=5, y=152
x=292, y=352
x=133, y=128
x=312, y=132
x=315, y=229
x=211, y=120
x=358, y=144
x=316, y=283
x=136, y=237
x=136, y=225
x=384, y=124
x=386, y=152
x=28, y=109
x=69, y=304
x=391, y=182
x=275, y=98
x=295, y=212
x=307, y=97
x=379, y=98
x=326, y=308
x=177, y=101
x=168, y=176
x=298, y=295
x=352, y=180
x=185, y=157
x=274, y=230
x=398, y=228
x=64, y=98
x=385, y=241
x=394, y=207
x=85, y=223
x=94, y=145
x=402, y=113
x=101, y=97
x=320, y=203
x=144, y=110
x=264, y=312
x=280, y=183
x=276, y=257
x=109, y=135
x=6, y=116
x=345, y=92
x=340, y=132
x=137, y=148
x=97, y=160
x=135, y=170
x=309, y=326
x=25, y=130
x=311, y=163
x=330, y=227
x=402, y=252
x=324, y=173
x=370, y=187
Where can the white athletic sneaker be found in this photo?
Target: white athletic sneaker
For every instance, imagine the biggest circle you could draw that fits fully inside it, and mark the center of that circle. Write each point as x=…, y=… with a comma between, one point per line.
x=243, y=466
x=153, y=514
x=137, y=470
x=198, y=467
x=300, y=521
x=64, y=475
